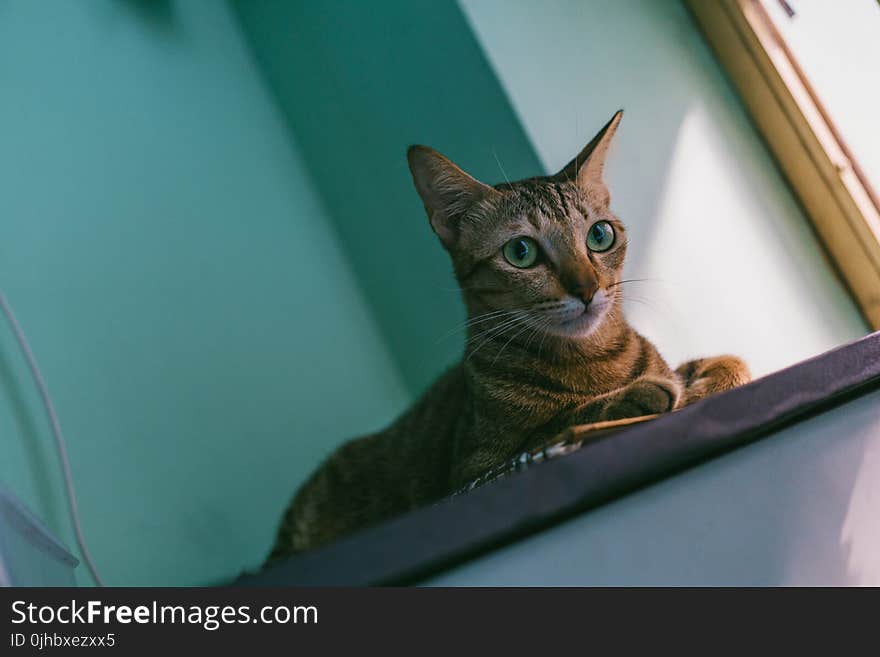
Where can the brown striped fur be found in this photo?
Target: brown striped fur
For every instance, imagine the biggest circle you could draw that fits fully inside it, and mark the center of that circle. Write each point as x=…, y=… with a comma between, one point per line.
x=526, y=375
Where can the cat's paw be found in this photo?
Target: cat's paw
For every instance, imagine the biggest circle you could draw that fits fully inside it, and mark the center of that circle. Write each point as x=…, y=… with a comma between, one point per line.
x=646, y=396
x=707, y=376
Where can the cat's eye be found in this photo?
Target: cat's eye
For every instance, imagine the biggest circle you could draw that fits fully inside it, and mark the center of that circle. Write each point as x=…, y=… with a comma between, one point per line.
x=600, y=237
x=521, y=252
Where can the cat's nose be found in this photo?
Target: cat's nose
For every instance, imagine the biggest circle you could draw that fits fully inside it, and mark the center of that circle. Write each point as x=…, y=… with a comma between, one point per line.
x=580, y=282
x=584, y=291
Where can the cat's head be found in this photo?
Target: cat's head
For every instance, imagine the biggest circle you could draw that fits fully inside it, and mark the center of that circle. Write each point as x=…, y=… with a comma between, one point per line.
x=544, y=253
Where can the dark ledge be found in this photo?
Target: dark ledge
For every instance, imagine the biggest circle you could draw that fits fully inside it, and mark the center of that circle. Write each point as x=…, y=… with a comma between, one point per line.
x=416, y=545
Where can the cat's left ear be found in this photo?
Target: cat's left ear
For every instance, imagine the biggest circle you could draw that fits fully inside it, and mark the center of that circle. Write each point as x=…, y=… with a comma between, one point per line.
x=447, y=192
x=587, y=167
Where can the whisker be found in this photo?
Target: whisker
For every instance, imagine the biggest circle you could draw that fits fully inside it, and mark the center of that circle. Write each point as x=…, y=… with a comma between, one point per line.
x=492, y=313
x=542, y=329
x=543, y=337
x=513, y=337
x=496, y=332
x=471, y=323
x=649, y=303
x=495, y=155
x=478, y=319
x=506, y=323
x=538, y=328
x=634, y=280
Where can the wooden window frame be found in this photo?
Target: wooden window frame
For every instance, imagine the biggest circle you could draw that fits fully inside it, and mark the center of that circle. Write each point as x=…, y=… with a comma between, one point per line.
x=808, y=147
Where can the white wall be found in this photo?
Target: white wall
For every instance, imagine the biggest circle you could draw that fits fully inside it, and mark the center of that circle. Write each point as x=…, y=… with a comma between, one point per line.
x=796, y=509
x=733, y=263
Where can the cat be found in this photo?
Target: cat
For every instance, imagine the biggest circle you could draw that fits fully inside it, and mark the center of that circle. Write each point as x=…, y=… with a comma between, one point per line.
x=539, y=265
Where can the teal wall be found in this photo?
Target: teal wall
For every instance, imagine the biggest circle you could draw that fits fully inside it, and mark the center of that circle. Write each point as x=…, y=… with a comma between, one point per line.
x=203, y=335
x=211, y=237
x=208, y=229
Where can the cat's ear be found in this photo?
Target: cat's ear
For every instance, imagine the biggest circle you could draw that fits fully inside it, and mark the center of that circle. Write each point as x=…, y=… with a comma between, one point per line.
x=446, y=190
x=587, y=167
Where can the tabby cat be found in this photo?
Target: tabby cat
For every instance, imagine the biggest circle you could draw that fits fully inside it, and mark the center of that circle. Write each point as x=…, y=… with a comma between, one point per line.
x=539, y=264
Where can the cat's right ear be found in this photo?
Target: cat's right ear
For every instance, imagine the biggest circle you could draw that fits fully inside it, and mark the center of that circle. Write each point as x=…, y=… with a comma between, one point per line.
x=447, y=191
x=587, y=167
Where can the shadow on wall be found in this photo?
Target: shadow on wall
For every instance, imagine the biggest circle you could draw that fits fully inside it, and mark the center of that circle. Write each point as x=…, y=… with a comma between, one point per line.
x=359, y=82
x=155, y=12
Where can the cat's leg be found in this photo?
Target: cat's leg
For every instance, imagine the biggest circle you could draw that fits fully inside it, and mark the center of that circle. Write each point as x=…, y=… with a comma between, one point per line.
x=647, y=395
x=706, y=376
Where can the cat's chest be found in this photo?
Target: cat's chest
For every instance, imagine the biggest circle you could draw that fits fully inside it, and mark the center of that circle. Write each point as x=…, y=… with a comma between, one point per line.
x=523, y=404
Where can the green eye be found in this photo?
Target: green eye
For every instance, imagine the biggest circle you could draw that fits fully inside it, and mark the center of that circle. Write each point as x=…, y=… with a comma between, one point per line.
x=521, y=252
x=600, y=237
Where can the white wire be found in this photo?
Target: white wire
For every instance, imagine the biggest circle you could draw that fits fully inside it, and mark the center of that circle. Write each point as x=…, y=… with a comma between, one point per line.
x=56, y=431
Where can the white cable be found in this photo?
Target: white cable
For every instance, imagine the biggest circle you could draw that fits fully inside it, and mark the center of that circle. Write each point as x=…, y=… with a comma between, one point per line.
x=56, y=431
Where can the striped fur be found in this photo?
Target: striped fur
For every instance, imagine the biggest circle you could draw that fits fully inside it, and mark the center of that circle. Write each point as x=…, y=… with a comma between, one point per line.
x=524, y=377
